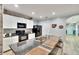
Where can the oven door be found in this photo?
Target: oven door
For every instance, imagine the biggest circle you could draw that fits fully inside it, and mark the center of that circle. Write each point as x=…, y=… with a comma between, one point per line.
x=23, y=38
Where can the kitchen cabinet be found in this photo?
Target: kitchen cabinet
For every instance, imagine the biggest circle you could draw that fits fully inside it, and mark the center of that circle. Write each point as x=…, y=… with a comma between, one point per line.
x=14, y=39
x=7, y=41
x=29, y=23
x=24, y=20
x=11, y=21
x=6, y=44
x=31, y=36
x=31, y=39
x=20, y=20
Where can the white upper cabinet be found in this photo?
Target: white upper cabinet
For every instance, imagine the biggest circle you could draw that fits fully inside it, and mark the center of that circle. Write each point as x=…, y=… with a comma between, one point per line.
x=29, y=23
x=11, y=21
x=20, y=20
x=24, y=20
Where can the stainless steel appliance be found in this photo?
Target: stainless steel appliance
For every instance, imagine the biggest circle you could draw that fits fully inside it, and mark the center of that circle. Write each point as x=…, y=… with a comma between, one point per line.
x=21, y=25
x=37, y=29
x=22, y=35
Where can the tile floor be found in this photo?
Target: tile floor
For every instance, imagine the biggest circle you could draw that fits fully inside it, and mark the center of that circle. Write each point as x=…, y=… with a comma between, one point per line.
x=71, y=45
x=9, y=53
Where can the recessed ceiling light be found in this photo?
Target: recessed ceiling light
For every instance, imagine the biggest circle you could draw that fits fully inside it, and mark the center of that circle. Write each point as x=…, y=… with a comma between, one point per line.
x=53, y=13
x=16, y=5
x=33, y=13
x=41, y=16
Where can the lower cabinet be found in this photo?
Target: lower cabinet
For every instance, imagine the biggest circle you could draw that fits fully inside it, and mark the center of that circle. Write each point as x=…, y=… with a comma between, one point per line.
x=7, y=41
x=31, y=36
x=31, y=39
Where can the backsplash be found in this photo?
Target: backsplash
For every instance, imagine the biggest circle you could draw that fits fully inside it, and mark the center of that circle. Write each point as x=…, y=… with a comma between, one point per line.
x=14, y=30
x=9, y=31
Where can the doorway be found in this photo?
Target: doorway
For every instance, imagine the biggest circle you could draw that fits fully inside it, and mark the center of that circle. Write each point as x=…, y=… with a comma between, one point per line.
x=71, y=44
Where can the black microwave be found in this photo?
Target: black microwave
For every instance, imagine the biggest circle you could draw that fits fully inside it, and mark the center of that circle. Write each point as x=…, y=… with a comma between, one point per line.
x=21, y=25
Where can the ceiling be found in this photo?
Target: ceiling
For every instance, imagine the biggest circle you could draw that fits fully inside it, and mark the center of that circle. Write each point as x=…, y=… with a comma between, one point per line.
x=44, y=10
x=73, y=19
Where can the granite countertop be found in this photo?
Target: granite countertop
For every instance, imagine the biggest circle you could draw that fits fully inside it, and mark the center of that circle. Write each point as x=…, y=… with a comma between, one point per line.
x=12, y=34
x=9, y=35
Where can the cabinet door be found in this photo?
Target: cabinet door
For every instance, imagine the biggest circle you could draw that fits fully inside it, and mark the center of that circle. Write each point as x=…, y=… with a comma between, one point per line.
x=29, y=24
x=31, y=39
x=20, y=20
x=14, y=39
x=24, y=20
x=6, y=42
x=6, y=21
x=31, y=36
x=14, y=22
x=9, y=21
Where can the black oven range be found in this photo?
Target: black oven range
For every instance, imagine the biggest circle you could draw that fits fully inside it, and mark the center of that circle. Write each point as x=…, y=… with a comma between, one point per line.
x=22, y=35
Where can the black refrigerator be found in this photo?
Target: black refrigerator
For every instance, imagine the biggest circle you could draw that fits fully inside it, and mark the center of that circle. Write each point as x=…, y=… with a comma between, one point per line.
x=37, y=29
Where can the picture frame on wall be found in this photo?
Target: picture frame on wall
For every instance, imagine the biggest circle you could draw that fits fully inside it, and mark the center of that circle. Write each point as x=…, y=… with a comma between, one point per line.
x=61, y=26
x=54, y=25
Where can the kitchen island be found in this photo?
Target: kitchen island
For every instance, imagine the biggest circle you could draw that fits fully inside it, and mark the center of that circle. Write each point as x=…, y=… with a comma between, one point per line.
x=37, y=46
